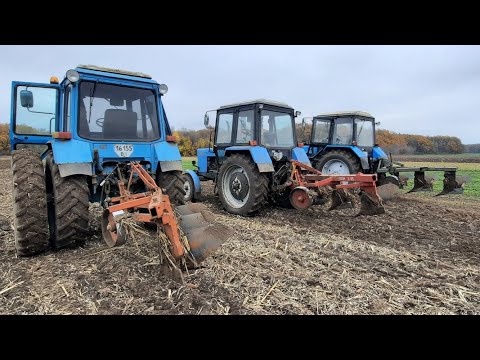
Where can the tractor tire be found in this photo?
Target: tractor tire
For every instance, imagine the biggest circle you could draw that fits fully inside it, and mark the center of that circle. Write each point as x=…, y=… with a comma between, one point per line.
x=283, y=200
x=189, y=188
x=250, y=187
x=173, y=183
x=29, y=203
x=338, y=162
x=67, y=203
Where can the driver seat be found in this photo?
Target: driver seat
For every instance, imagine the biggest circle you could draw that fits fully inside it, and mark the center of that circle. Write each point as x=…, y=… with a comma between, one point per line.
x=120, y=124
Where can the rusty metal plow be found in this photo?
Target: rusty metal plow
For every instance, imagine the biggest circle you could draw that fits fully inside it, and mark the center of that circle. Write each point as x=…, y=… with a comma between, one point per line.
x=190, y=230
x=423, y=182
x=308, y=184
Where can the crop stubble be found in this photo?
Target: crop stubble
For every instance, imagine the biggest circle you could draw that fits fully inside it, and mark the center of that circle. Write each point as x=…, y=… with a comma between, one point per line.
x=421, y=257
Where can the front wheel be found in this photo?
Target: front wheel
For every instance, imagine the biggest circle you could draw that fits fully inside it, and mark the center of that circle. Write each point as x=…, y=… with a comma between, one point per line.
x=188, y=187
x=242, y=188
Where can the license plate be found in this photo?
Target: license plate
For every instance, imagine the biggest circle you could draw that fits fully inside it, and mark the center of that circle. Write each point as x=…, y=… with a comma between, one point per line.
x=123, y=150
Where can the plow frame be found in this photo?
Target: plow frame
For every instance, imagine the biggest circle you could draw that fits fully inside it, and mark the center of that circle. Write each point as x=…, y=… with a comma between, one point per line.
x=315, y=179
x=450, y=184
x=158, y=205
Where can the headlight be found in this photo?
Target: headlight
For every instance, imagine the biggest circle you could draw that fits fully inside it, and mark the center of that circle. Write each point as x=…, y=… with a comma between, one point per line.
x=277, y=155
x=163, y=89
x=73, y=75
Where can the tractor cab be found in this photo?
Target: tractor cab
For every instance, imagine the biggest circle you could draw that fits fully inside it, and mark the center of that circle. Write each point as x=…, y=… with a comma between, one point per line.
x=351, y=132
x=344, y=129
x=264, y=129
x=95, y=119
x=264, y=123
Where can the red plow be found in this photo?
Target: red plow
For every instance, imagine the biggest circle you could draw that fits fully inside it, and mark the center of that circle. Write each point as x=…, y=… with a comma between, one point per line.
x=309, y=186
x=191, y=234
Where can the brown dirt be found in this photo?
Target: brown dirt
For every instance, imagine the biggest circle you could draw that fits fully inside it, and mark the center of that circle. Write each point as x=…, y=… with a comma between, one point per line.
x=421, y=257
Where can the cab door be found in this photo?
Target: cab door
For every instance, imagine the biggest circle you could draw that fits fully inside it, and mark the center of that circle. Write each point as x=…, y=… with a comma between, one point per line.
x=224, y=131
x=34, y=113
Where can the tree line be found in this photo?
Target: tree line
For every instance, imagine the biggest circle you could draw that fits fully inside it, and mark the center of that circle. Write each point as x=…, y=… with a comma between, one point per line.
x=418, y=144
x=190, y=140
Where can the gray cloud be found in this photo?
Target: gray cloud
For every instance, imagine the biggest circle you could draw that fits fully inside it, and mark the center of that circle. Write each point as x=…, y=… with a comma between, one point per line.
x=430, y=90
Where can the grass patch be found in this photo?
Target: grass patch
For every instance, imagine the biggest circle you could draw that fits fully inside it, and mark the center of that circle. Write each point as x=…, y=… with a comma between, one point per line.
x=187, y=162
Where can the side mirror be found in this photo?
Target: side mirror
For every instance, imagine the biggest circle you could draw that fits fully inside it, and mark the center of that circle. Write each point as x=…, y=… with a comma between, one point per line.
x=194, y=162
x=298, y=113
x=206, y=120
x=377, y=123
x=304, y=124
x=26, y=98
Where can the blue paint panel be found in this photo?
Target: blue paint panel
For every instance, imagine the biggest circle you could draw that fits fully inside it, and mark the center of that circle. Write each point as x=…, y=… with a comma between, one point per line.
x=378, y=153
x=196, y=181
x=166, y=151
x=202, y=155
x=259, y=154
x=71, y=151
x=305, y=148
x=299, y=154
x=355, y=149
x=141, y=152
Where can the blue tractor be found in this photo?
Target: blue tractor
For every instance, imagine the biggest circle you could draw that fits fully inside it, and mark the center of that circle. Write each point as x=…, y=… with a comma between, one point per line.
x=344, y=143
x=100, y=135
x=255, y=158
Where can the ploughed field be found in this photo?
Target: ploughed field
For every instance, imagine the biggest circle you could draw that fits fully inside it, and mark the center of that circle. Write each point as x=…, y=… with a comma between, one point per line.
x=421, y=257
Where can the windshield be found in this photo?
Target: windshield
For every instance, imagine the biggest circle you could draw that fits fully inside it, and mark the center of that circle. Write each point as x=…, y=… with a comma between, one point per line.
x=277, y=129
x=364, y=132
x=343, y=131
x=112, y=112
x=322, y=131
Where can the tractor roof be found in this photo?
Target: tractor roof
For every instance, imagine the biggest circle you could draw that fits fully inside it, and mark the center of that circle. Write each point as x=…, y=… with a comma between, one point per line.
x=345, y=113
x=114, y=71
x=258, y=101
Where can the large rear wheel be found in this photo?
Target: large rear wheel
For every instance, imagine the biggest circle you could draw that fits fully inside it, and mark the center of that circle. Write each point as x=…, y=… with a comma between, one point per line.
x=242, y=188
x=29, y=203
x=173, y=182
x=67, y=200
x=338, y=162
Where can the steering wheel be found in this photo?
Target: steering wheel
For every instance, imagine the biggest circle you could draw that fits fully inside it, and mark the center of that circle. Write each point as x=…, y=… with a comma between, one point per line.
x=99, y=123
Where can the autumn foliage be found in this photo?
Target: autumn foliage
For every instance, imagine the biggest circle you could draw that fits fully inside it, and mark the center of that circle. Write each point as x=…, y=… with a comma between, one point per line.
x=4, y=139
x=418, y=144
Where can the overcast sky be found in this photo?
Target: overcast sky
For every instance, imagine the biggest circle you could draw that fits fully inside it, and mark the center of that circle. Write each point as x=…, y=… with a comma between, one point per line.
x=428, y=90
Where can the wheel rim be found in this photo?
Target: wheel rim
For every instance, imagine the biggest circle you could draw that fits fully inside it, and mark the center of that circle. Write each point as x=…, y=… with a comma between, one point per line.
x=300, y=199
x=337, y=167
x=188, y=189
x=236, y=186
